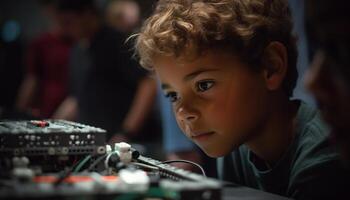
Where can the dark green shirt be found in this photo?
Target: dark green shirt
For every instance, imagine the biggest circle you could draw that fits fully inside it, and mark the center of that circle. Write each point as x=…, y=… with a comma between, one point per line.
x=308, y=170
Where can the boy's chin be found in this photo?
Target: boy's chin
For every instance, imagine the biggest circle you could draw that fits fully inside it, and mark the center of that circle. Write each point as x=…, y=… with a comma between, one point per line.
x=214, y=153
x=218, y=150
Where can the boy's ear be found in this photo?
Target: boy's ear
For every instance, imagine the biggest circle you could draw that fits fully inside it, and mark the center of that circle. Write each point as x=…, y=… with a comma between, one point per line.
x=275, y=64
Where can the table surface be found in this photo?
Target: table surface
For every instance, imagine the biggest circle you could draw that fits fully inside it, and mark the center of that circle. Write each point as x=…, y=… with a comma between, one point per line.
x=245, y=193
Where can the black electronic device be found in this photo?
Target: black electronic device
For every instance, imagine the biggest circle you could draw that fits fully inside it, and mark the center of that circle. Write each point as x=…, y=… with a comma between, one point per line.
x=49, y=144
x=49, y=137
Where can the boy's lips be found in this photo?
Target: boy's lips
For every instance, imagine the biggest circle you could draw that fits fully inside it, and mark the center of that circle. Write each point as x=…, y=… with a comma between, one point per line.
x=200, y=134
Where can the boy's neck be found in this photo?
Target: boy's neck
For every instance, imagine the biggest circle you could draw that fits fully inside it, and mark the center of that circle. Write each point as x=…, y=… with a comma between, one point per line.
x=272, y=141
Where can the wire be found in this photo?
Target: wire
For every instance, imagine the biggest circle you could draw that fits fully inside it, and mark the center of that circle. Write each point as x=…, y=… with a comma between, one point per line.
x=96, y=162
x=108, y=157
x=145, y=166
x=186, y=161
x=64, y=174
x=82, y=163
x=134, y=153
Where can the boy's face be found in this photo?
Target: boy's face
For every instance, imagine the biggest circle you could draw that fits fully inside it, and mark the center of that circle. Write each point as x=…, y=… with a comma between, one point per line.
x=219, y=103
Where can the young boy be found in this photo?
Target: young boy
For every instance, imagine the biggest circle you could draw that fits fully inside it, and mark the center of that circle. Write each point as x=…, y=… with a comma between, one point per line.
x=228, y=67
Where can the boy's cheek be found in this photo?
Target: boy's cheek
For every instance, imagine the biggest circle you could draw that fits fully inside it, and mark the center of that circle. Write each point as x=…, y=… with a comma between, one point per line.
x=223, y=111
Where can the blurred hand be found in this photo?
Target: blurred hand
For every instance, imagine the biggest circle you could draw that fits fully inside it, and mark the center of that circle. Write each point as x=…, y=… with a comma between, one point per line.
x=116, y=138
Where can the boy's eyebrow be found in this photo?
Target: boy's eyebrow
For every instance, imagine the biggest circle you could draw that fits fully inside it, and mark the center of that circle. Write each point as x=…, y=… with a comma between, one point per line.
x=189, y=76
x=192, y=75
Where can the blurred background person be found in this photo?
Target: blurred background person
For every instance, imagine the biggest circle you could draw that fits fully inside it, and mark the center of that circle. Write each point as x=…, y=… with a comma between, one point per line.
x=328, y=28
x=107, y=87
x=11, y=66
x=20, y=22
x=122, y=15
x=45, y=82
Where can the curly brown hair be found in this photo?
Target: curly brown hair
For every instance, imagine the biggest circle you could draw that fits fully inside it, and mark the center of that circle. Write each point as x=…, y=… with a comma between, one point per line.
x=181, y=28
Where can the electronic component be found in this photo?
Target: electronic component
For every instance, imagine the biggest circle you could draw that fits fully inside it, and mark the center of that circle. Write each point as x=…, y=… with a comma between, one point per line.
x=75, y=163
x=50, y=137
x=129, y=183
x=50, y=145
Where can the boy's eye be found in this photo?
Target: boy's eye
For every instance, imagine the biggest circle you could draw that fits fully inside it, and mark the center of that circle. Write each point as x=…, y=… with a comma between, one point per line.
x=204, y=85
x=172, y=96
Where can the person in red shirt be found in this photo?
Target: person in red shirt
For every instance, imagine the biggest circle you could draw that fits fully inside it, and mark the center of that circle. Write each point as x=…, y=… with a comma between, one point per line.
x=45, y=83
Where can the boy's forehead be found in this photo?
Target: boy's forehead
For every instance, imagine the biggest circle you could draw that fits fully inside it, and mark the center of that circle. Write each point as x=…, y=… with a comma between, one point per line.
x=169, y=67
x=176, y=73
x=164, y=61
x=186, y=59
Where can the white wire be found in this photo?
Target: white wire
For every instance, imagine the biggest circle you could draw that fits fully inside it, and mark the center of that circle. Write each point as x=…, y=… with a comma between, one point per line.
x=145, y=165
x=107, y=159
x=186, y=161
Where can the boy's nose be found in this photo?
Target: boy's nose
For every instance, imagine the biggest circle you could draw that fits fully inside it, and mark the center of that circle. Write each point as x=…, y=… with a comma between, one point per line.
x=186, y=115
